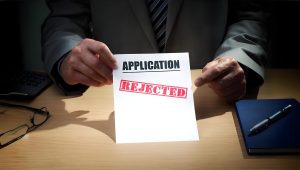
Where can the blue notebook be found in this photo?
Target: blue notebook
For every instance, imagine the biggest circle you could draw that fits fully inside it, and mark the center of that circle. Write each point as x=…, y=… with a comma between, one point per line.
x=281, y=137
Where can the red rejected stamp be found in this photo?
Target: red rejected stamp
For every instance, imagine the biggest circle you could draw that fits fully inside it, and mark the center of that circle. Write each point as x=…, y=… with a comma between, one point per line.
x=153, y=89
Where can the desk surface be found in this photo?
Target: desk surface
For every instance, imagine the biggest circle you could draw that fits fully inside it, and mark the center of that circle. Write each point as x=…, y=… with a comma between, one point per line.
x=80, y=134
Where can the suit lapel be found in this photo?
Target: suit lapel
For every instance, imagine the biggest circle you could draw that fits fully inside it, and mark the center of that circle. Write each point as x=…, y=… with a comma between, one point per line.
x=141, y=12
x=173, y=10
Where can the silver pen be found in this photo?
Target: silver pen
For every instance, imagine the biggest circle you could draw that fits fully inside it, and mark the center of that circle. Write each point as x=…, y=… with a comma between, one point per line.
x=264, y=124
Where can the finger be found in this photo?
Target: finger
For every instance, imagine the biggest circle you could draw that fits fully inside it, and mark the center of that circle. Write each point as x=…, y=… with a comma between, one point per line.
x=97, y=68
x=231, y=86
x=229, y=79
x=102, y=52
x=106, y=72
x=233, y=91
x=226, y=91
x=72, y=76
x=85, y=62
x=90, y=73
x=83, y=79
x=209, y=65
x=211, y=72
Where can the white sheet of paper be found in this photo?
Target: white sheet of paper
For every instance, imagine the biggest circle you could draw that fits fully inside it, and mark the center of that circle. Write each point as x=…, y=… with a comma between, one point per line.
x=153, y=98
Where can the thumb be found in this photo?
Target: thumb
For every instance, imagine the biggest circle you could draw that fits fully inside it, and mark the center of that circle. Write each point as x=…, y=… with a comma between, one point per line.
x=199, y=81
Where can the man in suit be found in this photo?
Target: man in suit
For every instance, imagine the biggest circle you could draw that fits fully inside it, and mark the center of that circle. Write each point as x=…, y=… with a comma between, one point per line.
x=79, y=39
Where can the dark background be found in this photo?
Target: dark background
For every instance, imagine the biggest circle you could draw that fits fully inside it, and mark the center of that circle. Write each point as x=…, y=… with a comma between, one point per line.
x=284, y=29
x=10, y=44
x=21, y=20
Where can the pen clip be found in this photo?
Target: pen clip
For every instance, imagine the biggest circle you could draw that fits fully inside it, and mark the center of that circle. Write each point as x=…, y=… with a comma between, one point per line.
x=278, y=115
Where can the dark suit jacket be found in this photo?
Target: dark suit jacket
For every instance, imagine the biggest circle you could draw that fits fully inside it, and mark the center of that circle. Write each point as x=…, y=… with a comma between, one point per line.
x=200, y=27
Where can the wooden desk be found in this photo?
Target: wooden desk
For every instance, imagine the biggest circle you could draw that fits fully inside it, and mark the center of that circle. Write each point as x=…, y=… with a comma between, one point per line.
x=80, y=135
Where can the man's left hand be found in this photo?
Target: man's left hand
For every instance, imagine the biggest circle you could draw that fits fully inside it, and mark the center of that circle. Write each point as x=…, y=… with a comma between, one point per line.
x=226, y=77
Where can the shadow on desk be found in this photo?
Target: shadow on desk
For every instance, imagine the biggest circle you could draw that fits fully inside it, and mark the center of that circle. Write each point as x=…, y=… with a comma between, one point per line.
x=208, y=104
x=61, y=117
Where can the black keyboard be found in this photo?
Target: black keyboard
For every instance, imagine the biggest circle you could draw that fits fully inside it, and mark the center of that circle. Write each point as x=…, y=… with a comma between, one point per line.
x=24, y=84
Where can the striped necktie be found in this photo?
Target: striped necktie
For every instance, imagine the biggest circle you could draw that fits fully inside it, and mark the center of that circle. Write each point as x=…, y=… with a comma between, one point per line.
x=158, y=13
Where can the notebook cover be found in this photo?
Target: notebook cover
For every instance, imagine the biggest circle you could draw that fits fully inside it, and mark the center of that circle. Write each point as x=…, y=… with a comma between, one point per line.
x=281, y=137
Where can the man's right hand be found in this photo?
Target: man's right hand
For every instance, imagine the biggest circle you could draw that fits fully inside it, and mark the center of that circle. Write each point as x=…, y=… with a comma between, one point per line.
x=89, y=63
